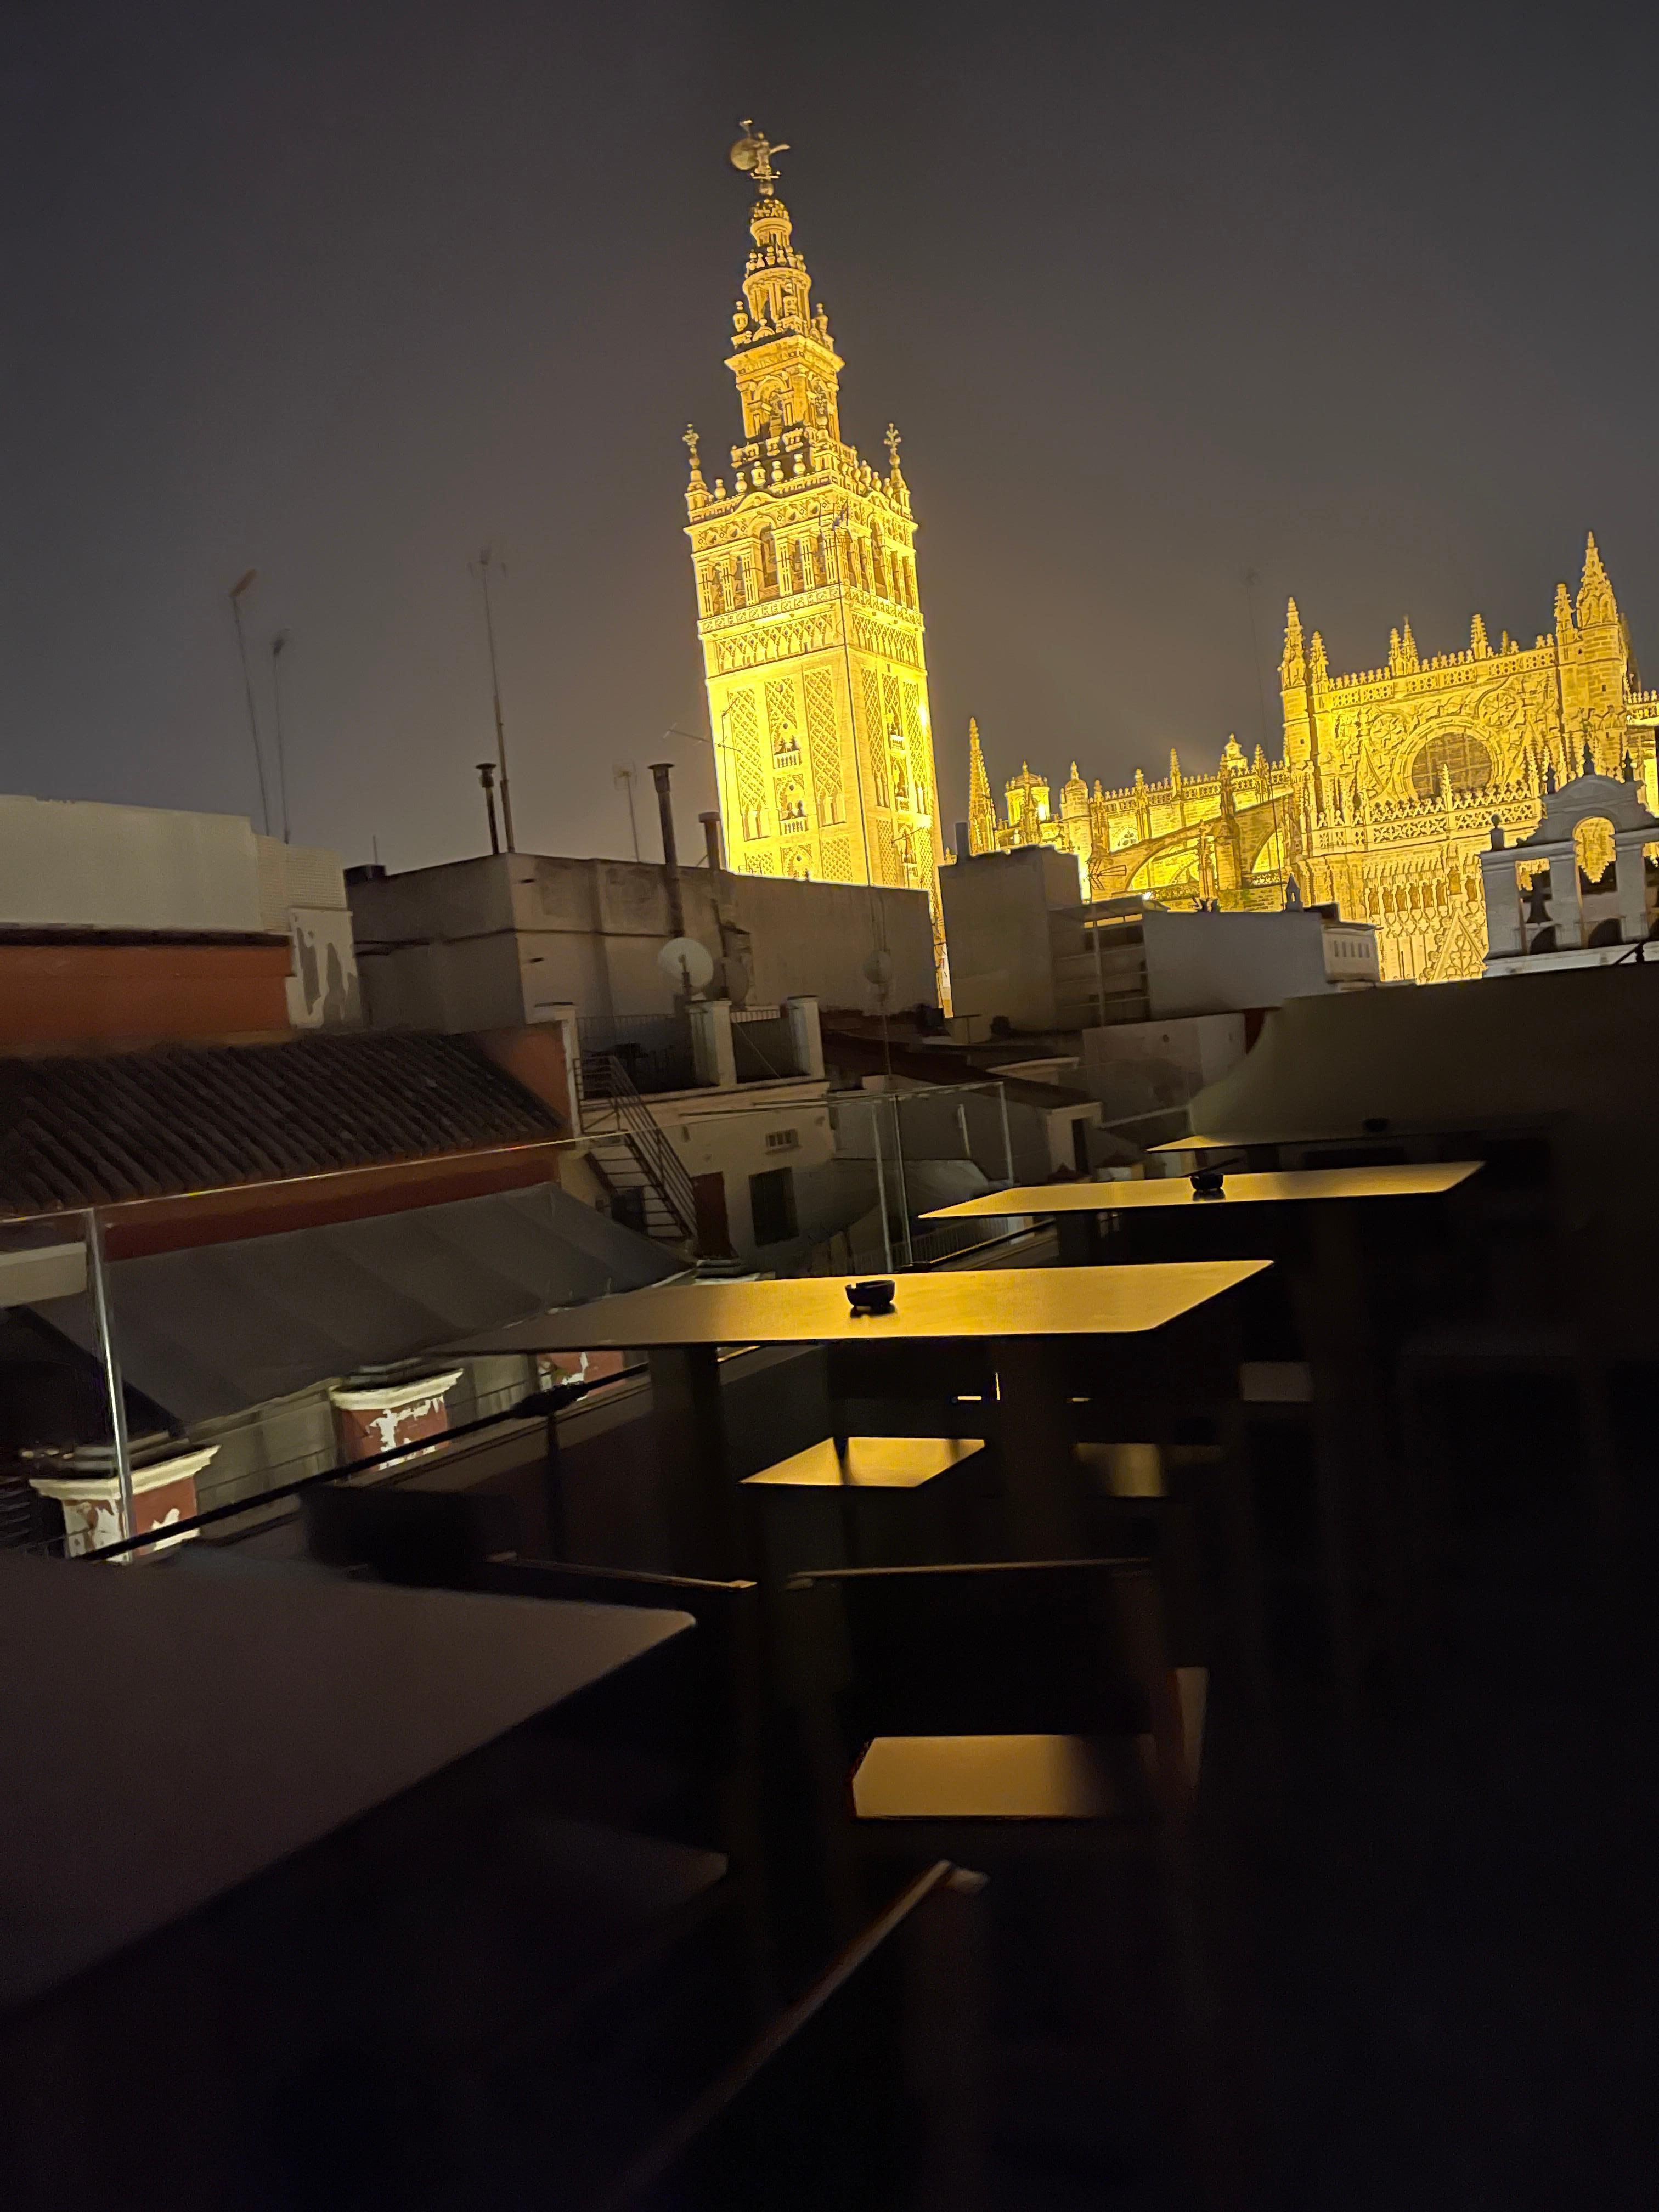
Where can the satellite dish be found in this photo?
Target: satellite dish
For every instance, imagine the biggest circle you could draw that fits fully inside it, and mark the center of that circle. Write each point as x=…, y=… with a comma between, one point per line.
x=879, y=972
x=688, y=965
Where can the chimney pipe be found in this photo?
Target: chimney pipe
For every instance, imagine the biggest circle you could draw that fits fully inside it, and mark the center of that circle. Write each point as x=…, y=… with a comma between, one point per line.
x=487, y=777
x=660, y=772
x=964, y=850
x=711, y=838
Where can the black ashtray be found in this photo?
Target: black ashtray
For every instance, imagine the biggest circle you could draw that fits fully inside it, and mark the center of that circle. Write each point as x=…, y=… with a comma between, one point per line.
x=1207, y=1182
x=870, y=1297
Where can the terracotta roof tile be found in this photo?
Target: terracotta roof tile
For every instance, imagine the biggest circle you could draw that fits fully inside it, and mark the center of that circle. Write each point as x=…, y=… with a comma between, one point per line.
x=97, y=1129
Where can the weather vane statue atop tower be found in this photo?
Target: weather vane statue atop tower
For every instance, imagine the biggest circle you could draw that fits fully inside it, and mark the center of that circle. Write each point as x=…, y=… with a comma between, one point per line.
x=753, y=155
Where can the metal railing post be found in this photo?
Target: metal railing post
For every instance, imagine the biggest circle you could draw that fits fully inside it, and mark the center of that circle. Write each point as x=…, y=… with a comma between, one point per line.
x=903, y=1186
x=1007, y=1141
x=111, y=1365
x=881, y=1194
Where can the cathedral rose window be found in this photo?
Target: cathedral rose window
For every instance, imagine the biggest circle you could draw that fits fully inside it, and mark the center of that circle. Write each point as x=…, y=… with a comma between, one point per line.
x=1457, y=751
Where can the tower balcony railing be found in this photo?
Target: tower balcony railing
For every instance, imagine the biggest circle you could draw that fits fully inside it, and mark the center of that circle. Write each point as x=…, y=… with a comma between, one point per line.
x=794, y=825
x=787, y=757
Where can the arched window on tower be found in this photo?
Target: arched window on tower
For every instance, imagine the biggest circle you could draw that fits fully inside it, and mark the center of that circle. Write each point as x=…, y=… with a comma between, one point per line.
x=713, y=592
x=767, y=546
x=901, y=781
x=739, y=595
x=878, y=561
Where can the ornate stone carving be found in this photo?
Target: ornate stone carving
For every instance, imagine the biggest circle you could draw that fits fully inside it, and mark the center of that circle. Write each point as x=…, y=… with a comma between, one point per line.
x=1387, y=787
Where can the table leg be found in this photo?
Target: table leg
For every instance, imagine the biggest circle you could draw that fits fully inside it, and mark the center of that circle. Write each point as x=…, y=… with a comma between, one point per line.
x=1079, y=1239
x=1038, y=1451
x=1352, y=1427
x=698, y=1490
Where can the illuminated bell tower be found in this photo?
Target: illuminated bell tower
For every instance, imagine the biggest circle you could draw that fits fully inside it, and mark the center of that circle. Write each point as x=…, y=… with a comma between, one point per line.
x=808, y=613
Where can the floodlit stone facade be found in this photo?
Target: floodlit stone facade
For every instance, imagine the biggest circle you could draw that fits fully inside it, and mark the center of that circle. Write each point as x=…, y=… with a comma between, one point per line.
x=1385, y=793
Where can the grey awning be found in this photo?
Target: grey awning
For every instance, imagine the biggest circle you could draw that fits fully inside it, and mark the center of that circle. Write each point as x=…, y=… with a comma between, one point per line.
x=214, y=1330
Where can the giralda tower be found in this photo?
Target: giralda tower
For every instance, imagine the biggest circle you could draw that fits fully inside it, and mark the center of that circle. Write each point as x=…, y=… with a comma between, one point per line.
x=807, y=605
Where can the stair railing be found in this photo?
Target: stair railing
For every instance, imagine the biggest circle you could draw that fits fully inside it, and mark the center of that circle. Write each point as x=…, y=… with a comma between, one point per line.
x=660, y=1164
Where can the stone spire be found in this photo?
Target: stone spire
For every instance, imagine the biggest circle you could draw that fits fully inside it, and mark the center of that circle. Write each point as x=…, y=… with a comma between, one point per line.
x=1408, y=645
x=1563, y=612
x=1292, y=666
x=1318, y=666
x=1479, y=643
x=696, y=491
x=1595, y=601
x=982, y=807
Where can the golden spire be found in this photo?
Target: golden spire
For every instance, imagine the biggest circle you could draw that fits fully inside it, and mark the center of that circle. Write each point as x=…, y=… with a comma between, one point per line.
x=1596, y=600
x=982, y=807
x=1292, y=665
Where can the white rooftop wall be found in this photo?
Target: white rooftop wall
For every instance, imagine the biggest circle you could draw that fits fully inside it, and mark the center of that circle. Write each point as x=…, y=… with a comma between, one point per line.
x=75, y=864
x=1208, y=964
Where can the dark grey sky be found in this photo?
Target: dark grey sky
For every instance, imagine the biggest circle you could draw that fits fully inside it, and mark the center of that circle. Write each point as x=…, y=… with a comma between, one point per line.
x=1362, y=299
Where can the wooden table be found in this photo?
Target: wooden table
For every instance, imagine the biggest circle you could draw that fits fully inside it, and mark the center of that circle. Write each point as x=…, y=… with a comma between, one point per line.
x=1025, y=1311
x=167, y=1733
x=1076, y=1207
x=1313, y=1223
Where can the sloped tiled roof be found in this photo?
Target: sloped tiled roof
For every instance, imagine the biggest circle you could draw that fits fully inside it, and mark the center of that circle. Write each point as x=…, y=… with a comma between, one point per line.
x=98, y=1128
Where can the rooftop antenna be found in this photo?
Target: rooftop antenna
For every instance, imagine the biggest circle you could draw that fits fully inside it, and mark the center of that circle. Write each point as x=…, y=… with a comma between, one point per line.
x=625, y=777
x=483, y=568
x=246, y=584
x=278, y=646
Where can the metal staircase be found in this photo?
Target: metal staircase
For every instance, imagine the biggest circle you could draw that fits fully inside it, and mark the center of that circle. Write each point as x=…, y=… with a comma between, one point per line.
x=629, y=1151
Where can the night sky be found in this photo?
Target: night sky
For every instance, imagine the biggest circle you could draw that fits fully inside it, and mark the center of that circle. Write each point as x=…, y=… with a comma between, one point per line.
x=1362, y=300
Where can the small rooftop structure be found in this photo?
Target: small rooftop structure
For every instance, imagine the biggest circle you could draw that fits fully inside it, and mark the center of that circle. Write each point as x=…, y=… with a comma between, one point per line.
x=1021, y=946
x=134, y=924
x=503, y=939
x=1562, y=915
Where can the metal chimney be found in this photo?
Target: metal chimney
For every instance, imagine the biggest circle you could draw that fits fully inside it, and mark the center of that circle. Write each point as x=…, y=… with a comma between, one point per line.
x=660, y=772
x=711, y=838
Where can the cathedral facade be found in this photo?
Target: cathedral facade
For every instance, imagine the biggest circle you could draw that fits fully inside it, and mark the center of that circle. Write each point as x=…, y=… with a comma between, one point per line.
x=1387, y=791
x=809, y=614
